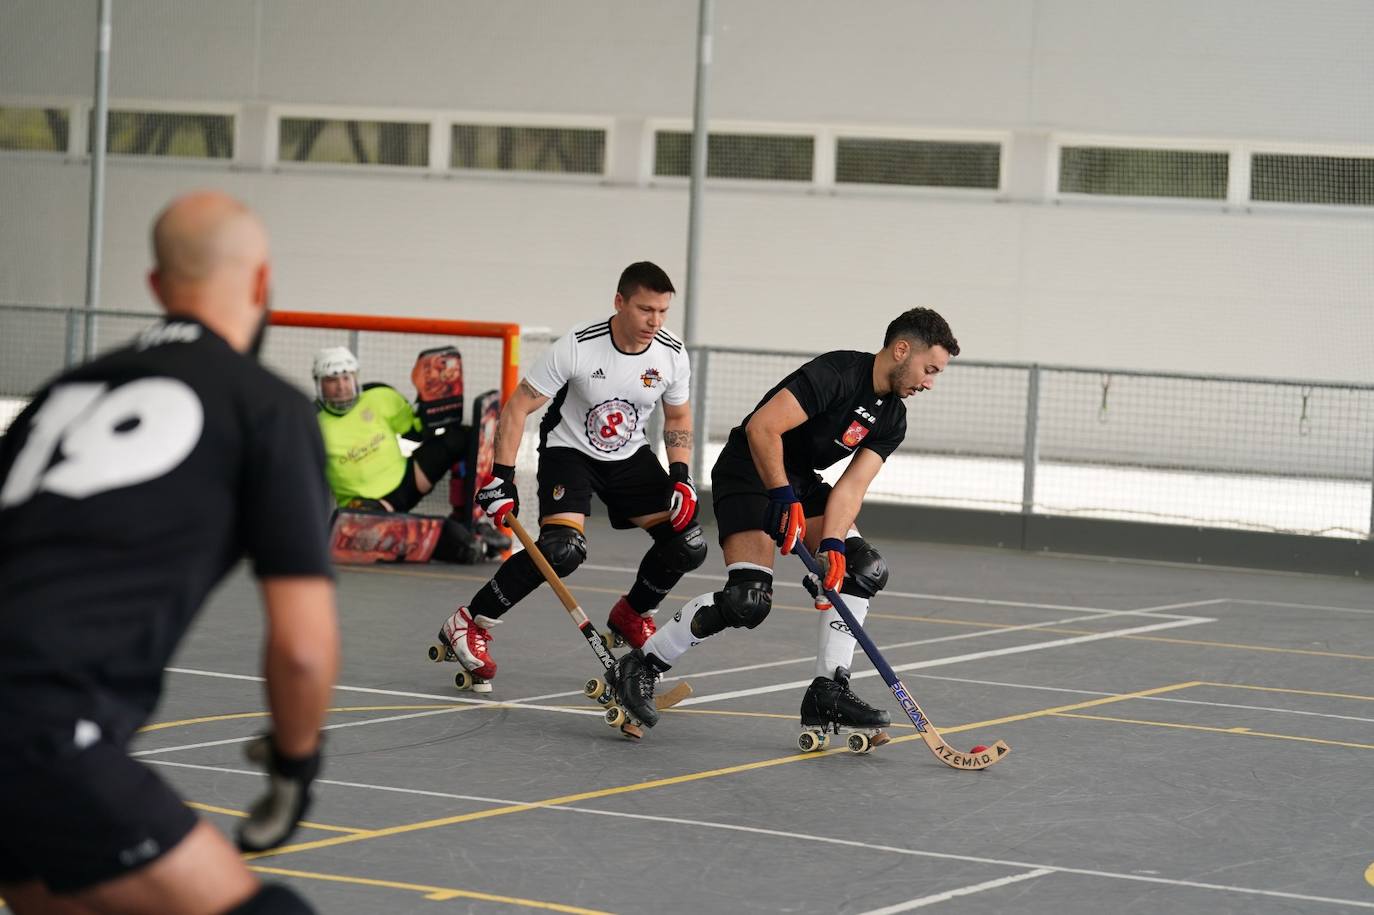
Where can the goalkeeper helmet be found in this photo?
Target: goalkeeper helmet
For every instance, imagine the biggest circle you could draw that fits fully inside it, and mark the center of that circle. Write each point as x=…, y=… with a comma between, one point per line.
x=336, y=362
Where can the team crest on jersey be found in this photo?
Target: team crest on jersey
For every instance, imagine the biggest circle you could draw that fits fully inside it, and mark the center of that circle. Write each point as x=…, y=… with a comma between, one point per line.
x=854, y=434
x=651, y=378
x=611, y=424
x=559, y=492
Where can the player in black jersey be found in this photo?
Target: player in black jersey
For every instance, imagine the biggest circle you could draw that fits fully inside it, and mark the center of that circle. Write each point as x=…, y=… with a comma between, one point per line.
x=128, y=488
x=766, y=492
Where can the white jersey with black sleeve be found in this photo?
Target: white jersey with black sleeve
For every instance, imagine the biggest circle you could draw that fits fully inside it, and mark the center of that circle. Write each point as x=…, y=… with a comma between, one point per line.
x=603, y=396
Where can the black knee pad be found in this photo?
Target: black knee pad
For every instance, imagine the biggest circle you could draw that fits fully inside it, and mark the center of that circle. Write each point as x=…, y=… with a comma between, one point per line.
x=564, y=547
x=274, y=899
x=865, y=572
x=743, y=603
x=679, y=551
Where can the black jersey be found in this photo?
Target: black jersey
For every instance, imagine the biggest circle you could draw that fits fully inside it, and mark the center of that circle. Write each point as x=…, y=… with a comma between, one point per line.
x=128, y=488
x=843, y=413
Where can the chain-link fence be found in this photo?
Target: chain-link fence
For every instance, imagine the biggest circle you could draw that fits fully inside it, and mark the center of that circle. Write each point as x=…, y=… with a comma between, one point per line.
x=1212, y=451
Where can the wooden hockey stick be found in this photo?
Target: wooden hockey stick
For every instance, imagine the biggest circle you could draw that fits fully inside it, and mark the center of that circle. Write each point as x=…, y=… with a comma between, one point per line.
x=951, y=757
x=584, y=625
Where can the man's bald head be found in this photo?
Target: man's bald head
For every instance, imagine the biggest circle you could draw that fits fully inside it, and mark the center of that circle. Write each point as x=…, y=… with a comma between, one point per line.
x=211, y=263
x=205, y=232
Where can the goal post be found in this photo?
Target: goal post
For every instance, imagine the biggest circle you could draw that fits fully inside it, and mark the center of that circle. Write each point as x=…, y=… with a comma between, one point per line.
x=507, y=370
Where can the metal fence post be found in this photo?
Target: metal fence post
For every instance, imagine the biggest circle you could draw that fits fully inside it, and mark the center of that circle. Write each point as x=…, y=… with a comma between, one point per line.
x=1031, y=455
x=701, y=362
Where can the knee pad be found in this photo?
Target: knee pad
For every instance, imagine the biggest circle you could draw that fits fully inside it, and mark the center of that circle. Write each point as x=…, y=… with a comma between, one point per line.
x=564, y=547
x=274, y=899
x=865, y=569
x=679, y=551
x=743, y=603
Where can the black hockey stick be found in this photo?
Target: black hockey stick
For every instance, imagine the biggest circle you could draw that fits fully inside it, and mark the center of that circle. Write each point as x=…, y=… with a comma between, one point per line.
x=951, y=757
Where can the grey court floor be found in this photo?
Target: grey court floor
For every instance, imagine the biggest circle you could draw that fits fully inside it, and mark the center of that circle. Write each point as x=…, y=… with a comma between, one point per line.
x=1183, y=740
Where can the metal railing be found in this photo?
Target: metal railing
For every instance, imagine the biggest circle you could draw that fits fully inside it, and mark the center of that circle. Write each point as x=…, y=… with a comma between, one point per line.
x=1196, y=449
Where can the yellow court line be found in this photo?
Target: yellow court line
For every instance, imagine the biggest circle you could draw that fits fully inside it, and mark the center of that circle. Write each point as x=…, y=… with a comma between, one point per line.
x=437, y=893
x=1369, y=875
x=1244, y=647
x=263, y=714
x=208, y=808
x=1244, y=732
x=677, y=779
x=1296, y=692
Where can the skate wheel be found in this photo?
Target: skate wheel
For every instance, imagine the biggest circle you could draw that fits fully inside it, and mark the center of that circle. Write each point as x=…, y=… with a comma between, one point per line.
x=810, y=741
x=608, y=641
x=858, y=743
x=464, y=680
x=437, y=652
x=615, y=716
x=594, y=688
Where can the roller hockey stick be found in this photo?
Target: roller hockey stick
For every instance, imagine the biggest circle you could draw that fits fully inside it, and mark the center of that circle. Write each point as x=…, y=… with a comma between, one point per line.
x=595, y=689
x=951, y=757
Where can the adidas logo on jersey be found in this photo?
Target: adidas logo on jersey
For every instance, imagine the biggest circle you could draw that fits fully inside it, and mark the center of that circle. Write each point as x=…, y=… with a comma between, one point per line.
x=599, y=374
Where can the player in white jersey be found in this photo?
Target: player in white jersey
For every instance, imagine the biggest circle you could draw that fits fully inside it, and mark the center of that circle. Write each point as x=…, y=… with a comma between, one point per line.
x=605, y=379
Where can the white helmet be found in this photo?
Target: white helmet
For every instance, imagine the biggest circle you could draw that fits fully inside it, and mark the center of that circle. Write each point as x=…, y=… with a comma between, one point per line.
x=332, y=362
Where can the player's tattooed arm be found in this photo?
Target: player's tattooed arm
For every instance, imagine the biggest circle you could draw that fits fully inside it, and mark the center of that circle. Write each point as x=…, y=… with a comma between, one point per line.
x=677, y=438
x=510, y=428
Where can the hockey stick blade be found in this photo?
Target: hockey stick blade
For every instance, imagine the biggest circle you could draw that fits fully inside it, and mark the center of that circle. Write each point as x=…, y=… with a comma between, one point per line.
x=936, y=744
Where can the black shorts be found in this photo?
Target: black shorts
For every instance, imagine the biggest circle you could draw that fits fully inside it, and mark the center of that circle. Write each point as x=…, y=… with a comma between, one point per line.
x=73, y=819
x=630, y=488
x=740, y=499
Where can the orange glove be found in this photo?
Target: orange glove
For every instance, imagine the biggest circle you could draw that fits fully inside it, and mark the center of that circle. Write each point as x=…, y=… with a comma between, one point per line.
x=785, y=522
x=830, y=558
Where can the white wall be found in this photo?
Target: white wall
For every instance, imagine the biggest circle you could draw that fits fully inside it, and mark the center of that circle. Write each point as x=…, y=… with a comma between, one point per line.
x=1135, y=285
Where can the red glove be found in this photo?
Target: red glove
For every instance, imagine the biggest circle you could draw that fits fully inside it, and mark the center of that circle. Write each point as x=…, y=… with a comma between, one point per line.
x=682, y=496
x=830, y=558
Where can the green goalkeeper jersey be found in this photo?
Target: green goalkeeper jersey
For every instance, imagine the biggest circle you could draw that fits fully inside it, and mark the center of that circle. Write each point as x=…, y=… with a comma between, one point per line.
x=363, y=457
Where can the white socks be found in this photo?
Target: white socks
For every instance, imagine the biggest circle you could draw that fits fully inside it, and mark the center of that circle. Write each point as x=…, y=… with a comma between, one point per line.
x=674, y=637
x=835, y=645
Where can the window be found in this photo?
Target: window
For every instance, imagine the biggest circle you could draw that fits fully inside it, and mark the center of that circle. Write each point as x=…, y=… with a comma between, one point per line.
x=529, y=149
x=169, y=133
x=1288, y=178
x=1142, y=172
x=921, y=163
x=353, y=142
x=34, y=129
x=761, y=157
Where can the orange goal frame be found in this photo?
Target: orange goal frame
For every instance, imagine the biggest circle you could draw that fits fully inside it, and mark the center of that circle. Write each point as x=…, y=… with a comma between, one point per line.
x=509, y=334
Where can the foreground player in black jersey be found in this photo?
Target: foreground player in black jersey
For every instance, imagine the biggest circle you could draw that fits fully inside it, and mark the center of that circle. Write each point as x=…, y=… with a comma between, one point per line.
x=766, y=492
x=128, y=488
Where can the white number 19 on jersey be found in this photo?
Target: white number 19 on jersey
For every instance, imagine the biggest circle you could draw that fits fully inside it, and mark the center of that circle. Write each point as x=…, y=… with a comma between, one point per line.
x=109, y=439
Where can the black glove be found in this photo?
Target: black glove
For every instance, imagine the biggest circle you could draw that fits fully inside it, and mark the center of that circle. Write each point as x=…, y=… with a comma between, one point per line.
x=274, y=816
x=498, y=495
x=682, y=496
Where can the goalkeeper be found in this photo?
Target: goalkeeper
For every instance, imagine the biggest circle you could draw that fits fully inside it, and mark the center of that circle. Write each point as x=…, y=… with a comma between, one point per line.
x=365, y=465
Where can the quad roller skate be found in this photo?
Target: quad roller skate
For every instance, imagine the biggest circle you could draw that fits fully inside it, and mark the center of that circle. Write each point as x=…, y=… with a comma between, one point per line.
x=626, y=691
x=626, y=626
x=464, y=639
x=830, y=708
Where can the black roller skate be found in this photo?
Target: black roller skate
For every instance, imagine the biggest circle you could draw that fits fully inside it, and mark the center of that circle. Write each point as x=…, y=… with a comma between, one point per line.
x=632, y=678
x=829, y=706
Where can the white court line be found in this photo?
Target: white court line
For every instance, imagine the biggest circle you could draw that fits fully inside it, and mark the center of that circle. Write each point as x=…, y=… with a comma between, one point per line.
x=827, y=840
x=955, y=659
x=962, y=891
